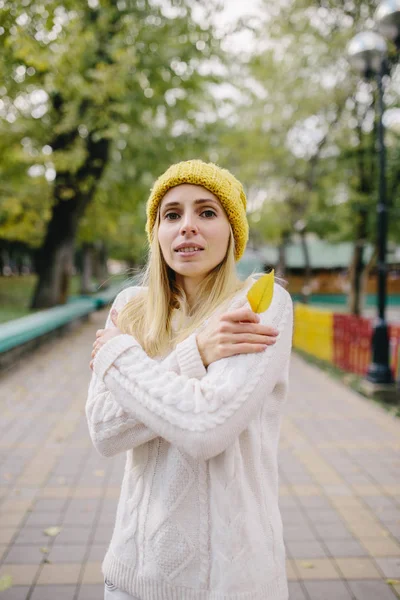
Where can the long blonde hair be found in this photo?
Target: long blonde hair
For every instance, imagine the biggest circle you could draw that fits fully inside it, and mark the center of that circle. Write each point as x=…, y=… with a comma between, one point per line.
x=148, y=315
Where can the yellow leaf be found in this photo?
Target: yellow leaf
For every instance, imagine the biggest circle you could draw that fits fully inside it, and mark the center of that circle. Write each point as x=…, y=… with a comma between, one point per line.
x=393, y=581
x=5, y=582
x=44, y=550
x=261, y=292
x=307, y=565
x=52, y=531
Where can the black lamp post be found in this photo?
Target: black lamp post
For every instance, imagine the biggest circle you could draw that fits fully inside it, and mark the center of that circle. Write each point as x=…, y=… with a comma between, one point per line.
x=367, y=53
x=387, y=18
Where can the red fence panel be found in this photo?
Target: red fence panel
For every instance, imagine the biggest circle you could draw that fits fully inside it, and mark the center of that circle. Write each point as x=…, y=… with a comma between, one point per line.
x=352, y=343
x=340, y=341
x=394, y=339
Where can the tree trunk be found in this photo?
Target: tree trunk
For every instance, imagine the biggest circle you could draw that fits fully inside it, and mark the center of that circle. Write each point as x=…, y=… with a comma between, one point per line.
x=281, y=266
x=355, y=272
x=55, y=258
x=306, y=289
x=357, y=266
x=100, y=263
x=87, y=269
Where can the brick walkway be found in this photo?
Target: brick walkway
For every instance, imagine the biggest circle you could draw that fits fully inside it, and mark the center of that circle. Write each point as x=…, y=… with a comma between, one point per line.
x=339, y=484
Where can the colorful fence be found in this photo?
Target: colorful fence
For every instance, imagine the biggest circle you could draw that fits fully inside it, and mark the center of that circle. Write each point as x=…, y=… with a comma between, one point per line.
x=343, y=340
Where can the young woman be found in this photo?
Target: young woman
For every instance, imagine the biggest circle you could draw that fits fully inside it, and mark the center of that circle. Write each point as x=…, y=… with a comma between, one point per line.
x=190, y=383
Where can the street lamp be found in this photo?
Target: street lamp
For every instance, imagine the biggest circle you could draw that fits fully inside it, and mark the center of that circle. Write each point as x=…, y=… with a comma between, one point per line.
x=387, y=18
x=367, y=53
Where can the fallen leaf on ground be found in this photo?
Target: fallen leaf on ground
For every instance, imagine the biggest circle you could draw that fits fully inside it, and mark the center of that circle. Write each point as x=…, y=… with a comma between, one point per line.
x=307, y=565
x=393, y=581
x=5, y=582
x=52, y=531
x=44, y=550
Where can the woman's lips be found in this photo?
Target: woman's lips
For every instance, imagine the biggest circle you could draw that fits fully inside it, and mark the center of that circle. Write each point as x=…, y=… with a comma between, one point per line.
x=188, y=254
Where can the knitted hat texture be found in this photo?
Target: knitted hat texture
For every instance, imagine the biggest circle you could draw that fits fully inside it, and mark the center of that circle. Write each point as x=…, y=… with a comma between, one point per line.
x=219, y=181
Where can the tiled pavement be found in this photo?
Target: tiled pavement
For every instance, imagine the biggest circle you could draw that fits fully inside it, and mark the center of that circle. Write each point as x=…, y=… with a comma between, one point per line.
x=339, y=484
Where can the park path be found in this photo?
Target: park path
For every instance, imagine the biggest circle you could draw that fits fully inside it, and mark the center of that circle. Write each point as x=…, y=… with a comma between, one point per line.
x=339, y=483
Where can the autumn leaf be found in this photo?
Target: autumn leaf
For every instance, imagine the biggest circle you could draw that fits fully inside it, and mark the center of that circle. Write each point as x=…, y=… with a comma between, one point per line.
x=52, y=531
x=261, y=292
x=5, y=582
x=393, y=581
x=307, y=565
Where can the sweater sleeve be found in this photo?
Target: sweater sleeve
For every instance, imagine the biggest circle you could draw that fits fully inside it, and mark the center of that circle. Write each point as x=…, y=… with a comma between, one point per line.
x=202, y=417
x=114, y=429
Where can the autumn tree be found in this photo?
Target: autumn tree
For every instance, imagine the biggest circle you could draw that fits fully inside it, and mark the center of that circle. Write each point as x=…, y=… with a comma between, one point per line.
x=96, y=98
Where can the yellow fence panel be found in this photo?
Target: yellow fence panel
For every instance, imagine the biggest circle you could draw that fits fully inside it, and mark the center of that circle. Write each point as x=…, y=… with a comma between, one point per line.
x=313, y=331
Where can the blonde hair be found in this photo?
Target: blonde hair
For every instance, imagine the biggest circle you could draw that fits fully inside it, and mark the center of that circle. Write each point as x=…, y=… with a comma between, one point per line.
x=148, y=315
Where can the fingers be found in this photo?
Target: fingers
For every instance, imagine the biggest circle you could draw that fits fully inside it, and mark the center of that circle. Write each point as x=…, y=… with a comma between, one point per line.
x=258, y=329
x=242, y=314
x=114, y=316
x=253, y=339
x=244, y=349
x=251, y=328
x=95, y=347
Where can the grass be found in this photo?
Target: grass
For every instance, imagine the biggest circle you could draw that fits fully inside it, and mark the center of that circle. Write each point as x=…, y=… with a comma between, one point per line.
x=351, y=380
x=16, y=294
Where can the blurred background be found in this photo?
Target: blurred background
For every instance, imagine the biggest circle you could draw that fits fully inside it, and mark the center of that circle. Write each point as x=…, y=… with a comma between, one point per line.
x=97, y=98
x=300, y=100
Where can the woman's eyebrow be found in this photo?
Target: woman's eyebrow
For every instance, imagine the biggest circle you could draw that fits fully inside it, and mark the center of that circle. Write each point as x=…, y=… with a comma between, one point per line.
x=198, y=201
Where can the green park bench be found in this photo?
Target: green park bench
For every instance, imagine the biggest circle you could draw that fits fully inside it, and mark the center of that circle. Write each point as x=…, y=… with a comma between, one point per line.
x=19, y=333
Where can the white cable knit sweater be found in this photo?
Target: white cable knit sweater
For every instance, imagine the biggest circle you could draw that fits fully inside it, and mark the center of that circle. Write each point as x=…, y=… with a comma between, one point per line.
x=198, y=515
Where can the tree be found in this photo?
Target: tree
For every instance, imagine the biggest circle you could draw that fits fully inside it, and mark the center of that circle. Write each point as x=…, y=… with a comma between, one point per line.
x=306, y=144
x=102, y=95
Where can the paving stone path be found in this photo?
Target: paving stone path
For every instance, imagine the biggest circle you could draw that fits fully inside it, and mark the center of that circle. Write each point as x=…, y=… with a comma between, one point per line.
x=339, y=483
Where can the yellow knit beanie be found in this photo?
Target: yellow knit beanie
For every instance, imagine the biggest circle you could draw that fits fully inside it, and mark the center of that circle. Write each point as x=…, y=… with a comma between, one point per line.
x=219, y=181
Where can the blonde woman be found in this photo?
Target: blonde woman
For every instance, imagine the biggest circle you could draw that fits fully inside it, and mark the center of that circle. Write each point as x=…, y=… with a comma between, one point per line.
x=190, y=383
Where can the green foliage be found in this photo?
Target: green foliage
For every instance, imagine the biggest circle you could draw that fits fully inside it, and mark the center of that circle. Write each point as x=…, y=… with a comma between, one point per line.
x=129, y=72
x=303, y=139
x=297, y=127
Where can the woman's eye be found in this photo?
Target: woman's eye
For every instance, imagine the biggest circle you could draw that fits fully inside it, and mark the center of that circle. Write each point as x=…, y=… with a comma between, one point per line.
x=210, y=211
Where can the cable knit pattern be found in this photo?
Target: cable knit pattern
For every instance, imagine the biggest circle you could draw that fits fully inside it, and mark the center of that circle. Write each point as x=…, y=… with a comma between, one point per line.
x=111, y=428
x=211, y=527
x=204, y=549
x=170, y=544
x=128, y=515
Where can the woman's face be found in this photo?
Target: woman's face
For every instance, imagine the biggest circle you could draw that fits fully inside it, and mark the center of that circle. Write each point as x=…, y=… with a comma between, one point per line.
x=193, y=216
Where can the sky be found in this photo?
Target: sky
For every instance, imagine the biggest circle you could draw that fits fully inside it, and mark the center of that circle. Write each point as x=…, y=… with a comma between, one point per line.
x=233, y=10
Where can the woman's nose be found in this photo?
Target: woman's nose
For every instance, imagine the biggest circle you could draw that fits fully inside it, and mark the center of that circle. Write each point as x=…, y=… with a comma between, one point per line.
x=188, y=224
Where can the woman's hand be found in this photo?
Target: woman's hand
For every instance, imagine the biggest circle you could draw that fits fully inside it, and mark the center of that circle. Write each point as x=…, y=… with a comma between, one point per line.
x=236, y=332
x=104, y=335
